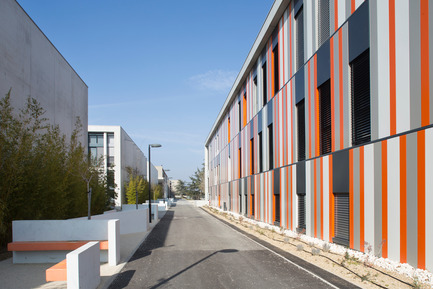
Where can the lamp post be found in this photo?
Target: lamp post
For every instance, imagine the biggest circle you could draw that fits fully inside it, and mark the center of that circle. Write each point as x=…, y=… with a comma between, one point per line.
x=150, y=181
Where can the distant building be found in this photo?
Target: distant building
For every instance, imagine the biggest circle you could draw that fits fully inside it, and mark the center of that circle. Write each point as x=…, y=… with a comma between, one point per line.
x=173, y=188
x=119, y=151
x=163, y=180
x=328, y=128
x=30, y=65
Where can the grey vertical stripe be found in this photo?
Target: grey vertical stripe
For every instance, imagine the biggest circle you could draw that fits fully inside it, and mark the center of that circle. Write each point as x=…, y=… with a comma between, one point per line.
x=262, y=198
x=415, y=64
x=346, y=86
x=377, y=198
x=412, y=189
x=312, y=111
x=356, y=199
x=314, y=21
x=348, y=9
x=331, y=17
x=337, y=121
x=318, y=186
x=307, y=118
x=312, y=192
x=289, y=196
x=373, y=71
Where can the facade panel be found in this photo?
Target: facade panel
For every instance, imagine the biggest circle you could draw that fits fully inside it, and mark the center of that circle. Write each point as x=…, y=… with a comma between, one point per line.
x=381, y=182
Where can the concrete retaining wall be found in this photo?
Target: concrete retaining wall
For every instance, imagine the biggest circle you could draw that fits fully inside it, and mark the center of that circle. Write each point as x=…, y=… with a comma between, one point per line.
x=83, y=268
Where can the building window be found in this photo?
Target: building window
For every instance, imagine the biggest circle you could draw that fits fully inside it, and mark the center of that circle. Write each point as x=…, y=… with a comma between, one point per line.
x=325, y=117
x=276, y=70
x=252, y=156
x=96, y=146
x=360, y=81
x=264, y=86
x=324, y=24
x=271, y=146
x=341, y=219
x=255, y=99
x=244, y=110
x=240, y=163
x=260, y=152
x=301, y=129
x=299, y=20
x=228, y=130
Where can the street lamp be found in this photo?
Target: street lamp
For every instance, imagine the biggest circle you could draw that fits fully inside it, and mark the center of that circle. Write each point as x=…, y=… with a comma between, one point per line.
x=150, y=181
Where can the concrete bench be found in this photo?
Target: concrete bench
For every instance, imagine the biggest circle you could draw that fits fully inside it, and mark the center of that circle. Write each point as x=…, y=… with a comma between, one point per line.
x=80, y=269
x=49, y=241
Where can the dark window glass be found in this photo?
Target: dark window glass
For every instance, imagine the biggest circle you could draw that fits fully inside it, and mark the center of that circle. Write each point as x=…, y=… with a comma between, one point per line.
x=301, y=130
x=325, y=117
x=265, y=87
x=271, y=147
x=276, y=70
x=361, y=123
x=260, y=153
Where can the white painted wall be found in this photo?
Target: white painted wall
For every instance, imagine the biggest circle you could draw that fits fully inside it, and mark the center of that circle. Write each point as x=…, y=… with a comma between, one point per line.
x=83, y=268
x=30, y=65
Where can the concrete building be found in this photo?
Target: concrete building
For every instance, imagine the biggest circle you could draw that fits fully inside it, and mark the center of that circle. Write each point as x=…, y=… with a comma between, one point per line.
x=30, y=65
x=120, y=151
x=327, y=129
x=163, y=180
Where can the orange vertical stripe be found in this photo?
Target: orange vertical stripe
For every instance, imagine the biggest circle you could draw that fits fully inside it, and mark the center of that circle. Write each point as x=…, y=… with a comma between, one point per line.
x=315, y=198
x=385, y=199
x=288, y=209
x=335, y=16
x=282, y=52
x=272, y=72
x=361, y=197
x=273, y=197
x=291, y=200
x=403, y=200
x=421, y=199
x=309, y=110
x=291, y=124
x=351, y=202
x=229, y=130
x=331, y=45
x=290, y=39
x=340, y=76
x=392, y=88
x=353, y=6
x=331, y=201
x=425, y=64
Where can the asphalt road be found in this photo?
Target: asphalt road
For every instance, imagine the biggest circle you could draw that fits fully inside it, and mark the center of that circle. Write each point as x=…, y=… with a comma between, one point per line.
x=191, y=249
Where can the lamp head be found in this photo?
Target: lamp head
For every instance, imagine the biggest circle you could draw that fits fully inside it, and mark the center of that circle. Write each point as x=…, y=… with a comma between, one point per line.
x=155, y=145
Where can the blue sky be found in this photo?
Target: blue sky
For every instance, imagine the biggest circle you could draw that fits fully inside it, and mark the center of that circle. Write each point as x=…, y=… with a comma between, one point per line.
x=160, y=69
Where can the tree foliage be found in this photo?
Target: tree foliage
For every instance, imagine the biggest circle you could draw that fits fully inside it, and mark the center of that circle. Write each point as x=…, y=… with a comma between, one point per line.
x=195, y=188
x=136, y=184
x=42, y=174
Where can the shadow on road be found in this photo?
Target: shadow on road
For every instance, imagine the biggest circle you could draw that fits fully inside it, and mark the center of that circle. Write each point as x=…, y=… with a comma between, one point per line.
x=156, y=238
x=163, y=281
x=122, y=279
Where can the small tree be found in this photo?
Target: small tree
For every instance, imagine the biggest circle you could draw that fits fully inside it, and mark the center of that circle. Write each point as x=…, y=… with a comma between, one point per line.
x=157, y=192
x=136, y=184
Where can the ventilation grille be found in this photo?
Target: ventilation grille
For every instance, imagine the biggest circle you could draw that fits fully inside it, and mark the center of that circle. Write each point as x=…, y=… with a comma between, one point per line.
x=323, y=21
x=301, y=130
x=325, y=118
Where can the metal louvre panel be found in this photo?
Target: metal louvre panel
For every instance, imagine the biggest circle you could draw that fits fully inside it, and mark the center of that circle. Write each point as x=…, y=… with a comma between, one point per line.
x=323, y=21
x=301, y=130
x=299, y=18
x=301, y=212
x=341, y=219
x=360, y=81
x=325, y=118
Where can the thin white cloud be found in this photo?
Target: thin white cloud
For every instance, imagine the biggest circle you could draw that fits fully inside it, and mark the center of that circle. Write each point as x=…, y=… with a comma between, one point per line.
x=216, y=80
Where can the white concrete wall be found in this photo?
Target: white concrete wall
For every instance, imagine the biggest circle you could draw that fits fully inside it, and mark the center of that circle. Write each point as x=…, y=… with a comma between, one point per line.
x=83, y=268
x=131, y=220
x=32, y=66
x=126, y=154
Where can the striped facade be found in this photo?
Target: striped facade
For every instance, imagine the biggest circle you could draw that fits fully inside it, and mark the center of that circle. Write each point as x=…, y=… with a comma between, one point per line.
x=263, y=162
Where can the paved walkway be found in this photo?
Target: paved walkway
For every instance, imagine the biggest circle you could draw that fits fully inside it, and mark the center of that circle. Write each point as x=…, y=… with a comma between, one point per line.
x=191, y=249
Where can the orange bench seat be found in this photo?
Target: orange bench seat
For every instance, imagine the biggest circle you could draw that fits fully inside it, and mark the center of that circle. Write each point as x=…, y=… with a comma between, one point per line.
x=56, y=272
x=51, y=245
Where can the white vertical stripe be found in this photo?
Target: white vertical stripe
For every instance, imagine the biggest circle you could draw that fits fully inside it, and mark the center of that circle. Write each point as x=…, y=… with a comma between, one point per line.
x=341, y=13
x=383, y=67
x=283, y=194
x=359, y=2
x=289, y=122
x=394, y=199
x=280, y=128
x=369, y=195
x=309, y=28
x=402, y=65
x=294, y=198
x=429, y=199
x=308, y=193
x=326, y=198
